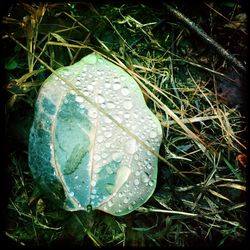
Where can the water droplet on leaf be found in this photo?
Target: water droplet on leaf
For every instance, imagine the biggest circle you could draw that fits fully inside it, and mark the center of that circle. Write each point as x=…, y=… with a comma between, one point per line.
x=100, y=99
x=124, y=91
x=110, y=204
x=152, y=134
x=125, y=200
x=117, y=156
x=79, y=99
x=100, y=138
x=107, y=134
x=110, y=105
x=90, y=87
x=145, y=177
x=93, y=113
x=89, y=208
x=128, y=105
x=136, y=182
x=116, y=86
x=131, y=146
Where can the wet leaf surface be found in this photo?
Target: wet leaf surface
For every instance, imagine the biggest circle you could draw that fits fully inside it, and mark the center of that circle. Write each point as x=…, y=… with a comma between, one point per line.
x=77, y=149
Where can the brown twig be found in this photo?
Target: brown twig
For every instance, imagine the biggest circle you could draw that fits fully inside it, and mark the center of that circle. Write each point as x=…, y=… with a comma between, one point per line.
x=229, y=57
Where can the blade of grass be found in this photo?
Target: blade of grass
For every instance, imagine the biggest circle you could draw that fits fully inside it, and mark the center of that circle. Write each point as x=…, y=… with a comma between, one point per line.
x=231, y=167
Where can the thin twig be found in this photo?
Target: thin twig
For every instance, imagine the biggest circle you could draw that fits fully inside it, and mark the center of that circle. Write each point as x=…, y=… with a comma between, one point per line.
x=202, y=34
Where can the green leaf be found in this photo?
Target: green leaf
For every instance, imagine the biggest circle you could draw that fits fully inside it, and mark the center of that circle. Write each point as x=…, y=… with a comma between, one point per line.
x=92, y=139
x=11, y=64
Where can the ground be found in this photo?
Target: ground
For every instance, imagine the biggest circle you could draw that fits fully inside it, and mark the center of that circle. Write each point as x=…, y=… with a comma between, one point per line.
x=196, y=93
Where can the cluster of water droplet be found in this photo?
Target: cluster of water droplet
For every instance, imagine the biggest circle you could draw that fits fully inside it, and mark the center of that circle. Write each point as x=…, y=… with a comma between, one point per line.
x=120, y=97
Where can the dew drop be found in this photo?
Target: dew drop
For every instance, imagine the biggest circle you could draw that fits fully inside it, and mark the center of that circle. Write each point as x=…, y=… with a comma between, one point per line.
x=110, y=105
x=109, y=188
x=107, y=120
x=137, y=173
x=90, y=87
x=100, y=60
x=131, y=146
x=107, y=84
x=100, y=99
x=78, y=83
x=85, y=92
x=93, y=113
x=109, y=170
x=107, y=134
x=136, y=182
x=100, y=138
x=97, y=157
x=116, y=85
x=116, y=79
x=133, y=127
x=125, y=200
x=135, y=115
x=127, y=115
x=99, y=73
x=89, y=208
x=118, y=119
x=79, y=99
x=124, y=91
x=104, y=155
x=71, y=194
x=151, y=183
x=149, y=166
x=97, y=170
x=128, y=105
x=152, y=134
x=145, y=177
x=136, y=157
x=82, y=106
x=130, y=207
x=110, y=204
x=93, y=183
x=116, y=156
